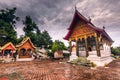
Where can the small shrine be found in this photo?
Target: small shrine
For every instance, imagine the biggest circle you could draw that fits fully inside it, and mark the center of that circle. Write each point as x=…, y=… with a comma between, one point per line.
x=25, y=50
x=7, y=50
x=85, y=39
x=58, y=54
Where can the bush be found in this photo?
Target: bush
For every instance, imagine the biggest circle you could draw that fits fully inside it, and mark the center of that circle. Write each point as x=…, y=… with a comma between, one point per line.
x=51, y=54
x=82, y=61
x=115, y=51
x=93, y=64
x=66, y=55
x=58, y=45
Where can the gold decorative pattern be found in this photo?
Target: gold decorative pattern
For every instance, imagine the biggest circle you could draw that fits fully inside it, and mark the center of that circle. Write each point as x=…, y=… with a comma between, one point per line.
x=81, y=30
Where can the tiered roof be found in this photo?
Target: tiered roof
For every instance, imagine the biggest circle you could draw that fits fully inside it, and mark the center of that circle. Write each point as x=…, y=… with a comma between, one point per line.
x=24, y=41
x=8, y=46
x=77, y=16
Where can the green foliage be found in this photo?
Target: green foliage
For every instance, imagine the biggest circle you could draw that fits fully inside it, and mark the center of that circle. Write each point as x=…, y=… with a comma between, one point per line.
x=8, y=20
x=30, y=26
x=20, y=39
x=51, y=54
x=115, y=51
x=58, y=45
x=31, y=30
x=39, y=39
x=66, y=55
x=81, y=61
x=46, y=39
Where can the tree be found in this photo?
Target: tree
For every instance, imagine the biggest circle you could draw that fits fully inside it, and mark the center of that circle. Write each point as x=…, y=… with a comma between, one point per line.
x=31, y=30
x=8, y=20
x=115, y=51
x=46, y=39
x=39, y=39
x=30, y=26
x=58, y=45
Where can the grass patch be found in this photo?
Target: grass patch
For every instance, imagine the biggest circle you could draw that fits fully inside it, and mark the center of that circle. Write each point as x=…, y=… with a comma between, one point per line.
x=82, y=61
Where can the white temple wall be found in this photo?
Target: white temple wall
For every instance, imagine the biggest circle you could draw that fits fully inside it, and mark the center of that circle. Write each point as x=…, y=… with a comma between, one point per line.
x=24, y=59
x=82, y=53
x=92, y=53
x=106, y=50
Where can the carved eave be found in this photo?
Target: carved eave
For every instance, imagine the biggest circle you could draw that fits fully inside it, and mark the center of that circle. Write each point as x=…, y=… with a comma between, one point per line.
x=7, y=45
x=24, y=41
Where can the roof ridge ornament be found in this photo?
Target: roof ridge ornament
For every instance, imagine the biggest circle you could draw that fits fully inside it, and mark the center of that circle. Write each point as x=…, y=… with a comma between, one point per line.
x=75, y=8
x=103, y=27
x=89, y=19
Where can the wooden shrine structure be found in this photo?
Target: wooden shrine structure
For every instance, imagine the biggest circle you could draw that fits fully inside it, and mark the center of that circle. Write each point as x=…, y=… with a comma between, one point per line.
x=25, y=50
x=89, y=40
x=7, y=50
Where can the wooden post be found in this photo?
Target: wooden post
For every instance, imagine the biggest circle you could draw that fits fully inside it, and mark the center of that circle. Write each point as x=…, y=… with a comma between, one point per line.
x=86, y=46
x=2, y=53
x=97, y=45
x=12, y=54
x=77, y=53
x=70, y=48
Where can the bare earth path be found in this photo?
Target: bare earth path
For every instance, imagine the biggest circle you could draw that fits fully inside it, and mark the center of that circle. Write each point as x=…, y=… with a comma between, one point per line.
x=57, y=70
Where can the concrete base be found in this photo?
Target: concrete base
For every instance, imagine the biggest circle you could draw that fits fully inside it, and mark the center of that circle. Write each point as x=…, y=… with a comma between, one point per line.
x=24, y=59
x=100, y=61
x=73, y=56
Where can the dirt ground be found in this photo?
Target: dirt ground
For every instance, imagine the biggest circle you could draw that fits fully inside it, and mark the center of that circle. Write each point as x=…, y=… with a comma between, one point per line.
x=57, y=70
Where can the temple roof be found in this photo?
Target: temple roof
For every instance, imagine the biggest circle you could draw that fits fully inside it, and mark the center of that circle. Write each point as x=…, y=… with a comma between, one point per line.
x=77, y=16
x=7, y=46
x=24, y=41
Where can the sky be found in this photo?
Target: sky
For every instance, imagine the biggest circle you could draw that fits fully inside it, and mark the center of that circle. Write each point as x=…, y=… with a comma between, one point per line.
x=55, y=16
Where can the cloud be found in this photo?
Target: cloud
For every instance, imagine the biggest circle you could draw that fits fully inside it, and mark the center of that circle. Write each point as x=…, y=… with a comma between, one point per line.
x=55, y=16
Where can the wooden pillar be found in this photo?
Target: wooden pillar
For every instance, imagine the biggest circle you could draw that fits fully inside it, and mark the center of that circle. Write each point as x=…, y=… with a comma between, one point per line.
x=97, y=45
x=12, y=54
x=18, y=52
x=70, y=46
x=86, y=46
x=25, y=54
x=2, y=53
x=77, y=51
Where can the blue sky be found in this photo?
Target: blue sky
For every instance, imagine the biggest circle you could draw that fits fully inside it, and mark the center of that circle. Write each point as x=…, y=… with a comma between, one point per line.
x=55, y=16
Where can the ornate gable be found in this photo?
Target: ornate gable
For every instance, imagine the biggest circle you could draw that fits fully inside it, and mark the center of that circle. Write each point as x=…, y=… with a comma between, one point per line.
x=8, y=46
x=26, y=43
x=81, y=29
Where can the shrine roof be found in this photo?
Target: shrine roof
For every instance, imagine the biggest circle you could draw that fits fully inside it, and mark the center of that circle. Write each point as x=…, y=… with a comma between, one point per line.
x=9, y=45
x=87, y=22
x=24, y=41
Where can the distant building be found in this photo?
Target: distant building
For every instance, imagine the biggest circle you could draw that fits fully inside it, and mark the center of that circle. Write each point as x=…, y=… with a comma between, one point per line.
x=89, y=41
x=58, y=54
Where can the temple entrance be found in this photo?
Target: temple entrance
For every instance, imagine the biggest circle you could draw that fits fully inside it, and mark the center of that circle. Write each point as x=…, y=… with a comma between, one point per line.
x=25, y=50
x=22, y=51
x=7, y=53
x=25, y=53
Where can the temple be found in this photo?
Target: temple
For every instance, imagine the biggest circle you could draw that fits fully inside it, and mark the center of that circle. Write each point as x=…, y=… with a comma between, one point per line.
x=85, y=39
x=7, y=50
x=25, y=50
